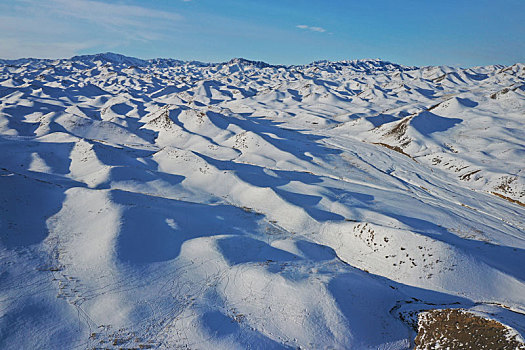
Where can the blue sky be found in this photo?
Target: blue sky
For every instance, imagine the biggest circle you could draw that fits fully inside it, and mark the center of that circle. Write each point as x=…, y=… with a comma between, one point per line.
x=413, y=32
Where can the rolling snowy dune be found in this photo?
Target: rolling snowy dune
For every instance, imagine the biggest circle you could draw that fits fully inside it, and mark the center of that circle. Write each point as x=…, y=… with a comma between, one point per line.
x=170, y=204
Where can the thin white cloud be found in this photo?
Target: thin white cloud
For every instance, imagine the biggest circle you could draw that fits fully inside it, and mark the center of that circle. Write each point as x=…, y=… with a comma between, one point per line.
x=311, y=28
x=14, y=48
x=116, y=15
x=318, y=29
x=130, y=21
x=61, y=28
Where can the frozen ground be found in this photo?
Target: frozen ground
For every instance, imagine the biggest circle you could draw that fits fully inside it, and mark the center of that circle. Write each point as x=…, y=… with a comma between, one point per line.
x=168, y=204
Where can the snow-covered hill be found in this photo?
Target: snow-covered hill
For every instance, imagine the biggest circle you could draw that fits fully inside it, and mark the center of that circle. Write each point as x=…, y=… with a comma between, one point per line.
x=170, y=204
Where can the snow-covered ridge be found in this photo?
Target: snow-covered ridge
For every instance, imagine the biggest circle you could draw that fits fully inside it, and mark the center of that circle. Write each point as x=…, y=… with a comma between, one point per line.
x=169, y=204
x=122, y=60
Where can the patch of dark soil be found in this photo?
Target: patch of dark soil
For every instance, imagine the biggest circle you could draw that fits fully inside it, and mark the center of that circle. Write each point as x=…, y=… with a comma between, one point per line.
x=459, y=329
x=466, y=177
x=394, y=148
x=508, y=199
x=399, y=130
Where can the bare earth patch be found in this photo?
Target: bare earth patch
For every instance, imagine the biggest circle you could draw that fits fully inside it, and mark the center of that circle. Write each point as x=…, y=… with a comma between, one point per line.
x=394, y=148
x=459, y=329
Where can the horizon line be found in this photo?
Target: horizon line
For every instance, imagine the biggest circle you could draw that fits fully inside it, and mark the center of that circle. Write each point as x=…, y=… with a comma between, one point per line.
x=245, y=59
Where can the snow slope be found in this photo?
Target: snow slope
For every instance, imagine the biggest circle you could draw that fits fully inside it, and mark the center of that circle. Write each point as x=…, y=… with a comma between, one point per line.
x=170, y=204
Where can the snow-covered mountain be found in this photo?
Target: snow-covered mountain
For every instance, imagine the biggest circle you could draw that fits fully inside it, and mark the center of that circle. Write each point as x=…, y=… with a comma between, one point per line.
x=169, y=204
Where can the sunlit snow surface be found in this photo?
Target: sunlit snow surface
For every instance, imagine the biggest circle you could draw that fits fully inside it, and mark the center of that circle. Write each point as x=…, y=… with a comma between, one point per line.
x=168, y=204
